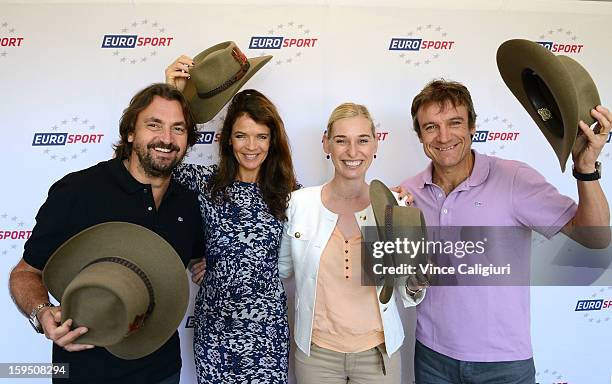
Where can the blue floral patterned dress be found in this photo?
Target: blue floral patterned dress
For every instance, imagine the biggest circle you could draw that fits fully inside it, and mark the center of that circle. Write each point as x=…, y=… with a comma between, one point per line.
x=241, y=332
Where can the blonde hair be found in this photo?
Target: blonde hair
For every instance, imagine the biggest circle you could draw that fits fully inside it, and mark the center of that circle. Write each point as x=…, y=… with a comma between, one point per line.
x=347, y=110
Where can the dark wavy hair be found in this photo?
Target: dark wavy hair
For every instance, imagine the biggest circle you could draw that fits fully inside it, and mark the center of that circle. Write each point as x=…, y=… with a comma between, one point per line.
x=276, y=176
x=440, y=91
x=140, y=102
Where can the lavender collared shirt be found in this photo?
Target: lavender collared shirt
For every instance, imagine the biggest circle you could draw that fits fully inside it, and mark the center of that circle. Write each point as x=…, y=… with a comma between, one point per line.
x=486, y=323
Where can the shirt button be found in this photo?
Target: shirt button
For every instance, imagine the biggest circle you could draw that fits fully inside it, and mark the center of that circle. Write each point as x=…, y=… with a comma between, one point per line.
x=145, y=190
x=346, y=267
x=298, y=235
x=439, y=195
x=346, y=251
x=346, y=260
x=445, y=210
x=150, y=208
x=345, y=241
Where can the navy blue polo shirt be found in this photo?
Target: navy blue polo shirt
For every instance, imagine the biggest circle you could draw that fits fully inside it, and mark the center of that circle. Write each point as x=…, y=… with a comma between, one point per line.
x=108, y=192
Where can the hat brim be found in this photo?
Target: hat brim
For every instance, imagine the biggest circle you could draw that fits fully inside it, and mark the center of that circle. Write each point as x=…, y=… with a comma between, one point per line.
x=205, y=109
x=156, y=257
x=569, y=84
x=404, y=218
x=408, y=222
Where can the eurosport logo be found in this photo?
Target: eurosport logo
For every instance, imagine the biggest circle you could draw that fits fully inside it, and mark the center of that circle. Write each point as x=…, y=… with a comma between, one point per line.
x=189, y=322
x=596, y=309
x=208, y=137
x=69, y=139
x=10, y=39
x=137, y=42
x=560, y=41
x=404, y=44
x=288, y=42
x=484, y=136
x=494, y=133
x=422, y=46
x=63, y=138
x=206, y=150
x=278, y=42
x=593, y=305
x=14, y=231
x=380, y=134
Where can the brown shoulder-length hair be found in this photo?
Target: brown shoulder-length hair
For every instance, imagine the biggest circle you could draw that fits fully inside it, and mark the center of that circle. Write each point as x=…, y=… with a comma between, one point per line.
x=276, y=176
x=140, y=102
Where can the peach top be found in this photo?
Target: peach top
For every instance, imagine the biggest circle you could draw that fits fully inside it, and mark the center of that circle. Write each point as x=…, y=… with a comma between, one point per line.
x=346, y=315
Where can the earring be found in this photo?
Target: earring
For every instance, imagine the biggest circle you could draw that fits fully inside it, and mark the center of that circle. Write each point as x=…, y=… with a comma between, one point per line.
x=374, y=155
x=327, y=156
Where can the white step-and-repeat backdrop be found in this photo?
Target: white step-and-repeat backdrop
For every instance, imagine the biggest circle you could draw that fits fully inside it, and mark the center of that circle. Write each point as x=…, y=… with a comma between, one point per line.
x=57, y=76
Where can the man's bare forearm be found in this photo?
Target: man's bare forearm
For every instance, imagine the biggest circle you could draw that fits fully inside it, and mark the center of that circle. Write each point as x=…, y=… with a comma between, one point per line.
x=27, y=288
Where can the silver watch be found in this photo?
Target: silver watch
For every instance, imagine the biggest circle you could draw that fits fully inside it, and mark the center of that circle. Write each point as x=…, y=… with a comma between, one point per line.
x=34, y=316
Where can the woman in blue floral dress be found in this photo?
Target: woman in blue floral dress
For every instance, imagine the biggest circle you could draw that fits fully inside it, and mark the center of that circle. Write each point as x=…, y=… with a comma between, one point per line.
x=241, y=330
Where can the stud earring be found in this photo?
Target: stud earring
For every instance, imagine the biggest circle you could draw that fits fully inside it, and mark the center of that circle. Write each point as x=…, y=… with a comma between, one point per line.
x=374, y=155
x=327, y=156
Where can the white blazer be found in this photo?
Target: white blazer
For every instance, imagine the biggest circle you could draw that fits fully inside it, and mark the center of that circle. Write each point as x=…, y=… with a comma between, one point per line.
x=305, y=235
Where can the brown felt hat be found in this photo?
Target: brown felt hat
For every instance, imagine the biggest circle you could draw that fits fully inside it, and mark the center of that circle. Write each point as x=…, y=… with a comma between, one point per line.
x=123, y=282
x=395, y=222
x=217, y=74
x=556, y=91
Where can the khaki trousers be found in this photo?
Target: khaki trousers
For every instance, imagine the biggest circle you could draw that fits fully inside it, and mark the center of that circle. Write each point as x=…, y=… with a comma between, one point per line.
x=325, y=366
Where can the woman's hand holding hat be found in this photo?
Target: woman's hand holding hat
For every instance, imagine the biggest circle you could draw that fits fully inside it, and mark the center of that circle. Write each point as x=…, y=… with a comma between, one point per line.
x=197, y=270
x=177, y=73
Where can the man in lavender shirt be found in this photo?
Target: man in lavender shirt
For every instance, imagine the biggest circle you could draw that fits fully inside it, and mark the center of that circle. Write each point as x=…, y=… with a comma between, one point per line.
x=480, y=334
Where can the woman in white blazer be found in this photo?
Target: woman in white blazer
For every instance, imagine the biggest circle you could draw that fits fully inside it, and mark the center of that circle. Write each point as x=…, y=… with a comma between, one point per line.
x=342, y=330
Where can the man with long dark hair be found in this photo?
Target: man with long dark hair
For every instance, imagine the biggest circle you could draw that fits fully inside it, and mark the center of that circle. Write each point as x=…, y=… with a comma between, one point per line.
x=135, y=186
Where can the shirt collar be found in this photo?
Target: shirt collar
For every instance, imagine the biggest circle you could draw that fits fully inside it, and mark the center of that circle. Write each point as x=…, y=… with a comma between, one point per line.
x=128, y=183
x=479, y=174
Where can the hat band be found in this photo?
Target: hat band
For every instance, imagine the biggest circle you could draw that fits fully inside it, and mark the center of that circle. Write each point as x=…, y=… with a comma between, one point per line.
x=244, y=68
x=138, y=322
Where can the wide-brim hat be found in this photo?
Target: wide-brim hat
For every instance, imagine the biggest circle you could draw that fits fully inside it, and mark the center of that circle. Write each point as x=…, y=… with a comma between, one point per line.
x=123, y=282
x=396, y=222
x=556, y=91
x=217, y=74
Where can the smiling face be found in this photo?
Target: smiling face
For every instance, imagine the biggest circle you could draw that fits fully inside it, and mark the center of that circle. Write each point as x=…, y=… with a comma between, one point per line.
x=250, y=142
x=445, y=135
x=351, y=146
x=159, y=139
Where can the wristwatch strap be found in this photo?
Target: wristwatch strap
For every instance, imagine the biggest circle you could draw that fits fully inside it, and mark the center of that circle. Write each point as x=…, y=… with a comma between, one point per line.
x=588, y=176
